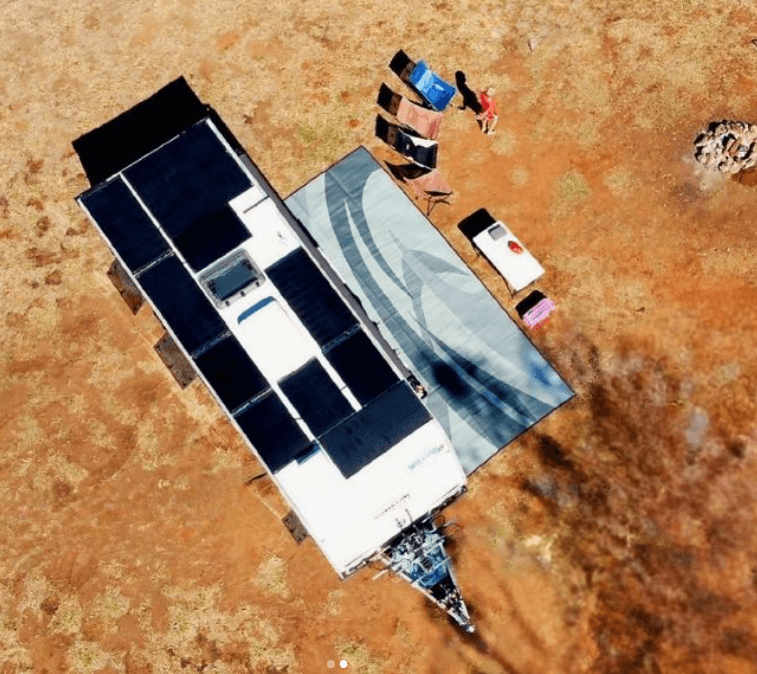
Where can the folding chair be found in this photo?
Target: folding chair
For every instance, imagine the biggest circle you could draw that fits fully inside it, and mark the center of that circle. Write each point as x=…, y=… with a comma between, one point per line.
x=423, y=121
x=419, y=150
x=431, y=187
x=434, y=90
x=402, y=66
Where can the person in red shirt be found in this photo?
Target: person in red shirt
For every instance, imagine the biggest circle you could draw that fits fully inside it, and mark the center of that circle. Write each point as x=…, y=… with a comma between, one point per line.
x=488, y=117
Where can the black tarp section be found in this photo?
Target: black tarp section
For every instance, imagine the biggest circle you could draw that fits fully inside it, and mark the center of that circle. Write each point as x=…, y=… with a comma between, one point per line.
x=189, y=313
x=272, y=431
x=310, y=295
x=187, y=180
x=231, y=373
x=316, y=397
x=367, y=434
x=476, y=223
x=210, y=238
x=362, y=367
x=120, y=142
x=125, y=224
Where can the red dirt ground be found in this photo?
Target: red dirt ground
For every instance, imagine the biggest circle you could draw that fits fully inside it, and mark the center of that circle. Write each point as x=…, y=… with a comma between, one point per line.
x=617, y=536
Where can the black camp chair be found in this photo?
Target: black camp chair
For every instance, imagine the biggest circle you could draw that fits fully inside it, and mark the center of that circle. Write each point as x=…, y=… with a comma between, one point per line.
x=402, y=65
x=419, y=150
x=389, y=100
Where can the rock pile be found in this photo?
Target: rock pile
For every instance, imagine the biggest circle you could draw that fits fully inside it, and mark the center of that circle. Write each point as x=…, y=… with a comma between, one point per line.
x=729, y=147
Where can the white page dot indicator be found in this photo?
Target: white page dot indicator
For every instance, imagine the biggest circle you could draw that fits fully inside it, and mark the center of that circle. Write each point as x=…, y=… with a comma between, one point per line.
x=343, y=664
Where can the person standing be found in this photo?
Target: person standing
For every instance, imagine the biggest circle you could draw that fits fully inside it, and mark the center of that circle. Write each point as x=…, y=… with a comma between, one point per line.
x=488, y=117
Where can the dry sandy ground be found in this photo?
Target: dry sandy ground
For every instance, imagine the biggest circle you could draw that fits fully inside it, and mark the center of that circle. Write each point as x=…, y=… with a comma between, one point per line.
x=616, y=536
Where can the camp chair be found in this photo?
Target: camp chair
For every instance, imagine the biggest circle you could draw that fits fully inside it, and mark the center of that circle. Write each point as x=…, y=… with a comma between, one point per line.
x=419, y=150
x=402, y=66
x=423, y=121
x=418, y=76
x=535, y=309
x=429, y=186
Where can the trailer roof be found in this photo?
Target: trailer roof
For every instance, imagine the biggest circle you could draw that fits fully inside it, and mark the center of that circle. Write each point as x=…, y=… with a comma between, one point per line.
x=277, y=341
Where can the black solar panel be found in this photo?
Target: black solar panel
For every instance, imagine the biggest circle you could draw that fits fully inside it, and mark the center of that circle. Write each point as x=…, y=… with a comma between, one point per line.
x=210, y=238
x=116, y=144
x=125, y=224
x=272, y=431
x=315, y=302
x=362, y=367
x=184, y=306
x=231, y=373
x=316, y=397
x=188, y=179
x=367, y=434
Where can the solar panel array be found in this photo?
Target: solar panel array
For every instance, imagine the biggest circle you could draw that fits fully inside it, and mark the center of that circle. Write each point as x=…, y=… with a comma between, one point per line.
x=179, y=195
x=316, y=303
x=381, y=424
x=177, y=199
x=126, y=225
x=232, y=374
x=390, y=409
x=316, y=397
x=182, y=304
x=272, y=431
x=362, y=367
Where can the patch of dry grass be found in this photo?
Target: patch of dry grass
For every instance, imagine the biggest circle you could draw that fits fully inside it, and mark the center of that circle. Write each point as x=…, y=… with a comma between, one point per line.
x=571, y=189
x=333, y=602
x=272, y=576
x=587, y=134
x=110, y=606
x=152, y=452
x=359, y=657
x=519, y=176
x=15, y=653
x=68, y=617
x=620, y=181
x=198, y=627
x=36, y=589
x=87, y=657
x=224, y=459
x=61, y=468
x=28, y=434
x=503, y=531
x=504, y=142
x=113, y=569
x=730, y=263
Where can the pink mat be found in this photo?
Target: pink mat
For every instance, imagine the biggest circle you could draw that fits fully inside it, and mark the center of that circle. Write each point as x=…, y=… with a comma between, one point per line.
x=538, y=314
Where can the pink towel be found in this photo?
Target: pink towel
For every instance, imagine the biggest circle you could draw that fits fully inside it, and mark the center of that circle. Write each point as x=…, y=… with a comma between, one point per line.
x=538, y=314
x=425, y=122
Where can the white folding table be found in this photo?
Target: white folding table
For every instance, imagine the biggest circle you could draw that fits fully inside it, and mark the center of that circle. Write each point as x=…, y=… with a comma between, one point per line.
x=518, y=269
